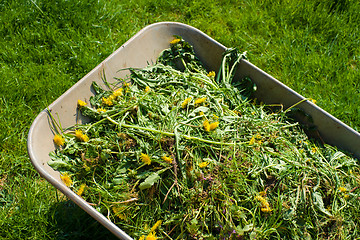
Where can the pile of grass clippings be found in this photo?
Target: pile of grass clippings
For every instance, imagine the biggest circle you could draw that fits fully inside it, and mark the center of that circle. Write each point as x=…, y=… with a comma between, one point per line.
x=177, y=152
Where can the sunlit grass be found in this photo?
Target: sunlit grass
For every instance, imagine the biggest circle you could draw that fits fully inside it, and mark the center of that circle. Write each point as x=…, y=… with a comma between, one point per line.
x=47, y=46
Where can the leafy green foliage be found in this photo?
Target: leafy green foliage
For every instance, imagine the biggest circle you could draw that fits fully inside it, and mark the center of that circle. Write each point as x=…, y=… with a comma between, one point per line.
x=182, y=146
x=46, y=46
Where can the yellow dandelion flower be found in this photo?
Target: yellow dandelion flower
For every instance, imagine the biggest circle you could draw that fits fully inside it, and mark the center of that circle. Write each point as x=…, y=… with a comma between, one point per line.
x=213, y=125
x=313, y=150
x=200, y=100
x=346, y=196
x=147, y=89
x=126, y=84
x=81, y=103
x=266, y=209
x=151, y=236
x=156, y=225
x=107, y=101
x=167, y=159
x=201, y=113
x=99, y=110
x=203, y=164
x=66, y=179
x=142, y=237
x=312, y=100
x=252, y=140
x=145, y=158
x=118, y=92
x=175, y=41
x=82, y=137
x=261, y=199
x=112, y=97
x=262, y=193
x=216, y=116
x=78, y=134
x=211, y=74
x=59, y=140
x=342, y=189
x=265, y=206
x=206, y=125
x=81, y=189
x=186, y=102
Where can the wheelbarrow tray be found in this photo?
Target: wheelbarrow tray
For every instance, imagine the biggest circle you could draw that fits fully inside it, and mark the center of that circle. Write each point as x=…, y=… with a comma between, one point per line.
x=143, y=48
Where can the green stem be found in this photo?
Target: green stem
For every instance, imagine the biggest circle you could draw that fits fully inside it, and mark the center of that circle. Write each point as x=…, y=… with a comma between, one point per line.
x=212, y=84
x=114, y=115
x=297, y=103
x=236, y=63
x=183, y=62
x=169, y=134
x=179, y=160
x=58, y=127
x=209, y=141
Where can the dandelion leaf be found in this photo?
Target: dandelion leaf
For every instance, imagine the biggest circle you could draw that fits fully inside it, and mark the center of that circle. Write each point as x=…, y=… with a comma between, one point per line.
x=319, y=203
x=149, y=181
x=59, y=162
x=197, y=110
x=241, y=230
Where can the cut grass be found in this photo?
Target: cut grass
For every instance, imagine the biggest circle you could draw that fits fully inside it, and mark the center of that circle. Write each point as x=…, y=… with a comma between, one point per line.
x=47, y=46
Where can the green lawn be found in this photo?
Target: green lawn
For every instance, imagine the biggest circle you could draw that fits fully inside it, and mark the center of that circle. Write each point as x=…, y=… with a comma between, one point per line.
x=47, y=46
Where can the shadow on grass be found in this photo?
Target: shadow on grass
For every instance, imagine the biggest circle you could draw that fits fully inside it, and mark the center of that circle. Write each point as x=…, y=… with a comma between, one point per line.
x=68, y=221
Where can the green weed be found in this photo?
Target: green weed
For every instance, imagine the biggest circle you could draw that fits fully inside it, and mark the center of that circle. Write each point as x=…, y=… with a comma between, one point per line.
x=47, y=46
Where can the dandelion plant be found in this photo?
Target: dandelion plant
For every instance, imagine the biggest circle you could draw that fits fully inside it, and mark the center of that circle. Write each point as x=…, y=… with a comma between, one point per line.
x=182, y=152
